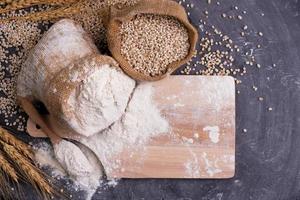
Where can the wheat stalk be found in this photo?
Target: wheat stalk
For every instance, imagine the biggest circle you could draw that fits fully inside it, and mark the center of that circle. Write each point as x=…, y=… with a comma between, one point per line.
x=18, y=144
x=8, y=189
x=5, y=189
x=30, y=172
x=61, y=12
x=7, y=168
x=15, y=5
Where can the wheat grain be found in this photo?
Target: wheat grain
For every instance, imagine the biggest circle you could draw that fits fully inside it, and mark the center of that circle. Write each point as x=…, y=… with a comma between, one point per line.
x=18, y=144
x=151, y=42
x=7, y=168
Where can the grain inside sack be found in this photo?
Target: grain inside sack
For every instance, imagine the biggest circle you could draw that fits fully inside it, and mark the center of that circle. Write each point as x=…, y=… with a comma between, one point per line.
x=150, y=43
x=151, y=39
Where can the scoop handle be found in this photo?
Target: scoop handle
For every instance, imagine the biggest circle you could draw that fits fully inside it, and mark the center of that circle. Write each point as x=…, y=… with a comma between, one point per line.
x=38, y=119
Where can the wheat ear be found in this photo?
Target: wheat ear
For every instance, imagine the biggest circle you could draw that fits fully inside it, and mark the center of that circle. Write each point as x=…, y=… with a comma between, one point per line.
x=5, y=188
x=15, y=5
x=29, y=171
x=61, y=12
x=7, y=168
x=7, y=173
x=18, y=144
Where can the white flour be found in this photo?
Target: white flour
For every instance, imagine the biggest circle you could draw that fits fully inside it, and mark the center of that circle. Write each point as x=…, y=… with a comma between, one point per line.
x=192, y=168
x=213, y=133
x=72, y=159
x=100, y=100
x=45, y=157
x=141, y=121
x=211, y=166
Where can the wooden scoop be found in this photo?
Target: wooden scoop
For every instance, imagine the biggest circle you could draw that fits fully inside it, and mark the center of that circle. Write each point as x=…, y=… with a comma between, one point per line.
x=76, y=158
x=36, y=117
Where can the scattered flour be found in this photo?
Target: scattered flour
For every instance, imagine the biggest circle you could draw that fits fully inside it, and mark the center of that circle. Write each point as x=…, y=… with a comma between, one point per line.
x=187, y=140
x=178, y=105
x=211, y=167
x=113, y=182
x=192, y=168
x=100, y=100
x=213, y=133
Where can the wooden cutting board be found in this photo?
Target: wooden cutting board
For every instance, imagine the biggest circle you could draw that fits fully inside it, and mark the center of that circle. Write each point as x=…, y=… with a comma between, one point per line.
x=201, y=144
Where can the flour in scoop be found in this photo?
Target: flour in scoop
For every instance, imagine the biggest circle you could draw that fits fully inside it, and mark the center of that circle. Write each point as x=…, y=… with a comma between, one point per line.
x=44, y=156
x=72, y=159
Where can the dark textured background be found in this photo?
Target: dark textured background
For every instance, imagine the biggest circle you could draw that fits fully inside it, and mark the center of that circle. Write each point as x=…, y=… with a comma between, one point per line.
x=268, y=154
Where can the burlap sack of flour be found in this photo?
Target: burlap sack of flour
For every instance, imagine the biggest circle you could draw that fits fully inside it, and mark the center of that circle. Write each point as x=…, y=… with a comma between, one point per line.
x=157, y=7
x=56, y=71
x=64, y=43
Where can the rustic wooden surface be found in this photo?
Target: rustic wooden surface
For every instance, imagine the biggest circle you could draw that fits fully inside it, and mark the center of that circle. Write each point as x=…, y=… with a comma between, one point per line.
x=190, y=104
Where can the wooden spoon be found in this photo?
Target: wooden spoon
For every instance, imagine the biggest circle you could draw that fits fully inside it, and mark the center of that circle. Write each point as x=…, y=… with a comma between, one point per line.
x=75, y=163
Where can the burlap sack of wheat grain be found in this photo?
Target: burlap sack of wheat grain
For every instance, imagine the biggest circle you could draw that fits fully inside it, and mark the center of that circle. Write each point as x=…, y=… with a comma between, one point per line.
x=64, y=50
x=156, y=7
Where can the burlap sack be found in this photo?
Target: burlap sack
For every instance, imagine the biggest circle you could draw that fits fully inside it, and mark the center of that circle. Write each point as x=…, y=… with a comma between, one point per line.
x=59, y=89
x=64, y=43
x=45, y=75
x=63, y=84
x=159, y=7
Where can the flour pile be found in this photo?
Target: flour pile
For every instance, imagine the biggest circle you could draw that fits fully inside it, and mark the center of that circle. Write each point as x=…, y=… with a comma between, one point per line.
x=141, y=122
x=101, y=103
x=100, y=100
x=44, y=155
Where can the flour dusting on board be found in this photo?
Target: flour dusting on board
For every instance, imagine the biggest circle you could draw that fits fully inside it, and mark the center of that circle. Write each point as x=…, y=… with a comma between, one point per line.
x=215, y=93
x=192, y=168
x=211, y=166
x=229, y=159
x=213, y=133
